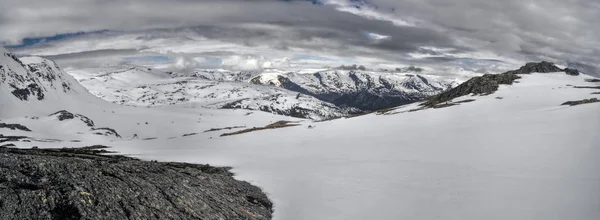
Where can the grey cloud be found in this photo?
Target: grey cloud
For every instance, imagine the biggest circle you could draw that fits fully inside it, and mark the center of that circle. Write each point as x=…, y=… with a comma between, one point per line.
x=560, y=31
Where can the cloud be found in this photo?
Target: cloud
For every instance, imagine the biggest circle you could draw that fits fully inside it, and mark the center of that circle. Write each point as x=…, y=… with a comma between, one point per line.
x=254, y=63
x=432, y=33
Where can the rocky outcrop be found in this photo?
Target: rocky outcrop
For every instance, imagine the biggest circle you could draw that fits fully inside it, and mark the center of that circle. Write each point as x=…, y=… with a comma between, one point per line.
x=489, y=83
x=84, y=184
x=65, y=115
x=541, y=67
x=482, y=85
x=572, y=72
x=14, y=127
x=106, y=132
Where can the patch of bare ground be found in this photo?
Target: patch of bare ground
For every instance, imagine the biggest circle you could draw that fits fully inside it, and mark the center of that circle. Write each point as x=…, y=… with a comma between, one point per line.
x=581, y=102
x=440, y=105
x=386, y=111
x=225, y=128
x=587, y=87
x=595, y=93
x=346, y=116
x=279, y=124
x=592, y=80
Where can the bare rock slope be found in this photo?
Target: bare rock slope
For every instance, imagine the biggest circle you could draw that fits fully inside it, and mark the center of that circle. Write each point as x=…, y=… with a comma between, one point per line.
x=83, y=184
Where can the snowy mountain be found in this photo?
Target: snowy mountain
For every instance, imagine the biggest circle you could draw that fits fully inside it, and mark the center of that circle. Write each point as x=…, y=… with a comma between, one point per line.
x=36, y=95
x=219, y=75
x=516, y=145
x=365, y=90
x=141, y=86
x=30, y=84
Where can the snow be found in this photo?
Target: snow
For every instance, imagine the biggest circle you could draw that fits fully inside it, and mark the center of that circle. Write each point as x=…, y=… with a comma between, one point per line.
x=140, y=86
x=520, y=157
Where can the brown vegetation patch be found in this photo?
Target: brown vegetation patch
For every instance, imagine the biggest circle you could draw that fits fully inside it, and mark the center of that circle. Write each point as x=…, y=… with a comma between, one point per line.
x=279, y=124
x=225, y=128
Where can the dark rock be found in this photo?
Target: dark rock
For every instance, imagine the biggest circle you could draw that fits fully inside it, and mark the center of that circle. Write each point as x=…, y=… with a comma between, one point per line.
x=85, y=120
x=482, y=85
x=14, y=127
x=541, y=67
x=572, y=72
x=106, y=132
x=489, y=83
x=65, y=115
x=586, y=87
x=84, y=184
x=30, y=90
x=11, y=138
x=592, y=80
x=581, y=102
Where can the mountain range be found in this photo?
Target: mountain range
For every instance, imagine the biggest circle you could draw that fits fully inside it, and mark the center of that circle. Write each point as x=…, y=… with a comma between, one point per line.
x=479, y=148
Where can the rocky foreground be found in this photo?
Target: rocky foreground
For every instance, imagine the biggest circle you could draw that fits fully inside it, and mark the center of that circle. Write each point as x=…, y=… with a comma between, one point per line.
x=84, y=184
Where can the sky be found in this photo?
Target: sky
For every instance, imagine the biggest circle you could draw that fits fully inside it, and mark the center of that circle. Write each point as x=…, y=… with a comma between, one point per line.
x=475, y=36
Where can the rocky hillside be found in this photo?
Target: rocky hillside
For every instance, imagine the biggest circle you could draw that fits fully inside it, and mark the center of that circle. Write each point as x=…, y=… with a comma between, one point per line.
x=489, y=83
x=83, y=184
x=358, y=88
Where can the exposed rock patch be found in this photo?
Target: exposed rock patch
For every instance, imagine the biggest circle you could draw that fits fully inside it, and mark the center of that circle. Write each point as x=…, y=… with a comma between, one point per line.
x=572, y=72
x=541, y=67
x=12, y=138
x=65, y=115
x=581, y=102
x=106, y=132
x=587, y=87
x=592, y=80
x=489, y=83
x=482, y=85
x=14, y=127
x=83, y=184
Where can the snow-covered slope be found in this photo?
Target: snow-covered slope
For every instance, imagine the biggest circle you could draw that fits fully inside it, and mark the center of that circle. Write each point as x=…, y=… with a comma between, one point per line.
x=515, y=154
x=33, y=84
x=141, y=86
x=36, y=93
x=219, y=75
x=366, y=90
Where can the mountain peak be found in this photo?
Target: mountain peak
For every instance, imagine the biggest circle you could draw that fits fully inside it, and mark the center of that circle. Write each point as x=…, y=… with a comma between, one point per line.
x=541, y=67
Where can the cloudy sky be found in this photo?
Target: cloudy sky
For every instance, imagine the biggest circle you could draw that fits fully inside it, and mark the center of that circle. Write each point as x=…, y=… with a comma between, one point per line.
x=444, y=36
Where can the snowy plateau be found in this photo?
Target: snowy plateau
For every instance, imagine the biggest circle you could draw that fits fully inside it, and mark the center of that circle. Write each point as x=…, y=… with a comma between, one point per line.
x=514, y=153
